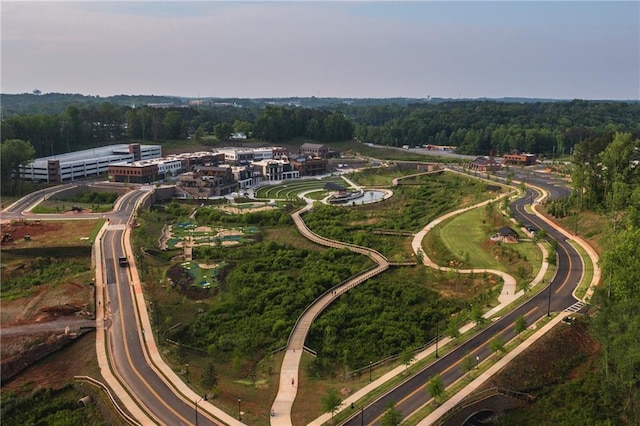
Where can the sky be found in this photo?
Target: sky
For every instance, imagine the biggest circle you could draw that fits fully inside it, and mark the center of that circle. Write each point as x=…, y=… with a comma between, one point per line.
x=359, y=49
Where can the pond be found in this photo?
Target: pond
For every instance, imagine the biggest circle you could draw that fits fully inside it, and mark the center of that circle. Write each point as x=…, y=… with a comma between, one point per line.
x=365, y=197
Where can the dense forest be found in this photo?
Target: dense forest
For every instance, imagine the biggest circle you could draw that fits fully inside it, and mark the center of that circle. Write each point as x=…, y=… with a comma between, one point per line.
x=606, y=178
x=477, y=128
x=474, y=127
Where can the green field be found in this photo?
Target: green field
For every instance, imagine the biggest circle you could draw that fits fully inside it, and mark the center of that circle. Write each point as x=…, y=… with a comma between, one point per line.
x=466, y=238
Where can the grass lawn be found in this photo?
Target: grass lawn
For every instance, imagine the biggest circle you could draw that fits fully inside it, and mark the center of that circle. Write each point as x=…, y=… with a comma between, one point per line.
x=291, y=189
x=588, y=271
x=380, y=176
x=60, y=206
x=466, y=243
x=463, y=234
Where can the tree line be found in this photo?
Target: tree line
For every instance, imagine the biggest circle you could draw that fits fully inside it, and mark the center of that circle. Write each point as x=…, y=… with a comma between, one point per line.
x=478, y=127
x=606, y=179
x=474, y=127
x=95, y=125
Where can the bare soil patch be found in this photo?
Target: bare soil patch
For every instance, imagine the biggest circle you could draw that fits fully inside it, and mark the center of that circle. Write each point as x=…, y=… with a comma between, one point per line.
x=556, y=357
x=237, y=210
x=58, y=369
x=46, y=233
x=48, y=303
x=64, y=297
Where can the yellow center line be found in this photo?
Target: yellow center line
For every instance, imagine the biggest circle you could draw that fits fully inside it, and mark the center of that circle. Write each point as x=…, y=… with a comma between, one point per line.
x=566, y=280
x=126, y=347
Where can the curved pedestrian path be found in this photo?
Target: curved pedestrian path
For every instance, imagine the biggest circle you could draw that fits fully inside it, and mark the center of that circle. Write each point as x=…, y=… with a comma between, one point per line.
x=288, y=386
x=508, y=293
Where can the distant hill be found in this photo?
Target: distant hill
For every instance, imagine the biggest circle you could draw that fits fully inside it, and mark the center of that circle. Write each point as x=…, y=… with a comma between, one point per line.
x=56, y=103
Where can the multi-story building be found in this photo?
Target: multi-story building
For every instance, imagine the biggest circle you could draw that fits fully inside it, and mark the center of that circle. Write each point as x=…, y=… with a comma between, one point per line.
x=519, y=159
x=201, y=158
x=310, y=166
x=86, y=163
x=208, y=181
x=246, y=176
x=146, y=171
x=237, y=156
x=276, y=170
x=315, y=149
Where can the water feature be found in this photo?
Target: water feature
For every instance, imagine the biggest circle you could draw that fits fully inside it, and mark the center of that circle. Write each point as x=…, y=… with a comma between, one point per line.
x=364, y=197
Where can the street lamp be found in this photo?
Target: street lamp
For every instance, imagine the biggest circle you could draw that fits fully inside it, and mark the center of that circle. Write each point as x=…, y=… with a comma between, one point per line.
x=370, y=365
x=196, y=406
x=437, y=335
x=187, y=372
x=355, y=407
x=239, y=416
x=549, y=302
x=477, y=361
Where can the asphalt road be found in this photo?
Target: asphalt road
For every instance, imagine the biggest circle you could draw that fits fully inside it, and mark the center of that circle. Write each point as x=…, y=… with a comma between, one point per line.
x=124, y=337
x=410, y=395
x=14, y=211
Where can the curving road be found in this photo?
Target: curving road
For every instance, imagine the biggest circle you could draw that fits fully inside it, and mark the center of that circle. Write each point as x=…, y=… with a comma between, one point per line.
x=411, y=395
x=127, y=354
x=157, y=401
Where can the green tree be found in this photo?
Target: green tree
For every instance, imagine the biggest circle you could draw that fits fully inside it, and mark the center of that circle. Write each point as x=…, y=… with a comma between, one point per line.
x=436, y=389
x=209, y=376
x=520, y=325
x=172, y=124
x=452, y=329
x=392, y=417
x=13, y=154
x=331, y=401
x=406, y=357
x=468, y=364
x=477, y=314
x=222, y=131
x=497, y=345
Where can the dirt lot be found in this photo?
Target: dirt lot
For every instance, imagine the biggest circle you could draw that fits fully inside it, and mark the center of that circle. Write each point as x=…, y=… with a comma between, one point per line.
x=47, y=233
x=48, y=303
x=33, y=320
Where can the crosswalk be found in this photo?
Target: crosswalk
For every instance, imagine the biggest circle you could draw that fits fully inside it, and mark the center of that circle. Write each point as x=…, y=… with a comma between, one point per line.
x=576, y=307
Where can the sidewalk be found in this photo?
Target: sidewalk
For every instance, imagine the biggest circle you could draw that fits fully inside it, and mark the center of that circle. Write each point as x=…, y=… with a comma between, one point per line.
x=206, y=409
x=486, y=375
x=508, y=293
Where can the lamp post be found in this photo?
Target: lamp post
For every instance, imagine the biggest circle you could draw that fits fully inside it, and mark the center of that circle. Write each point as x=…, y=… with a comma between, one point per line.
x=549, y=301
x=187, y=372
x=437, y=335
x=355, y=407
x=370, y=365
x=477, y=361
x=196, y=406
x=239, y=412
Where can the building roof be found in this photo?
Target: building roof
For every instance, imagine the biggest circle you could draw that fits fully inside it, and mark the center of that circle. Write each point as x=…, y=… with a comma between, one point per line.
x=312, y=146
x=90, y=154
x=505, y=231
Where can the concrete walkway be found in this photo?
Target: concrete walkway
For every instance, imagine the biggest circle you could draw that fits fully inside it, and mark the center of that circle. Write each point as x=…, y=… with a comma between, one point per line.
x=152, y=354
x=508, y=293
x=507, y=296
x=288, y=384
x=486, y=375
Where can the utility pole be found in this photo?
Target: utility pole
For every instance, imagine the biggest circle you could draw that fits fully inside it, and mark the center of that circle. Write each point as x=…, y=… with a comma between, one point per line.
x=437, y=335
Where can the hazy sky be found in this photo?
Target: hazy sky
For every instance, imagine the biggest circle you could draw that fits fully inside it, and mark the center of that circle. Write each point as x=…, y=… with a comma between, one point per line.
x=575, y=49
